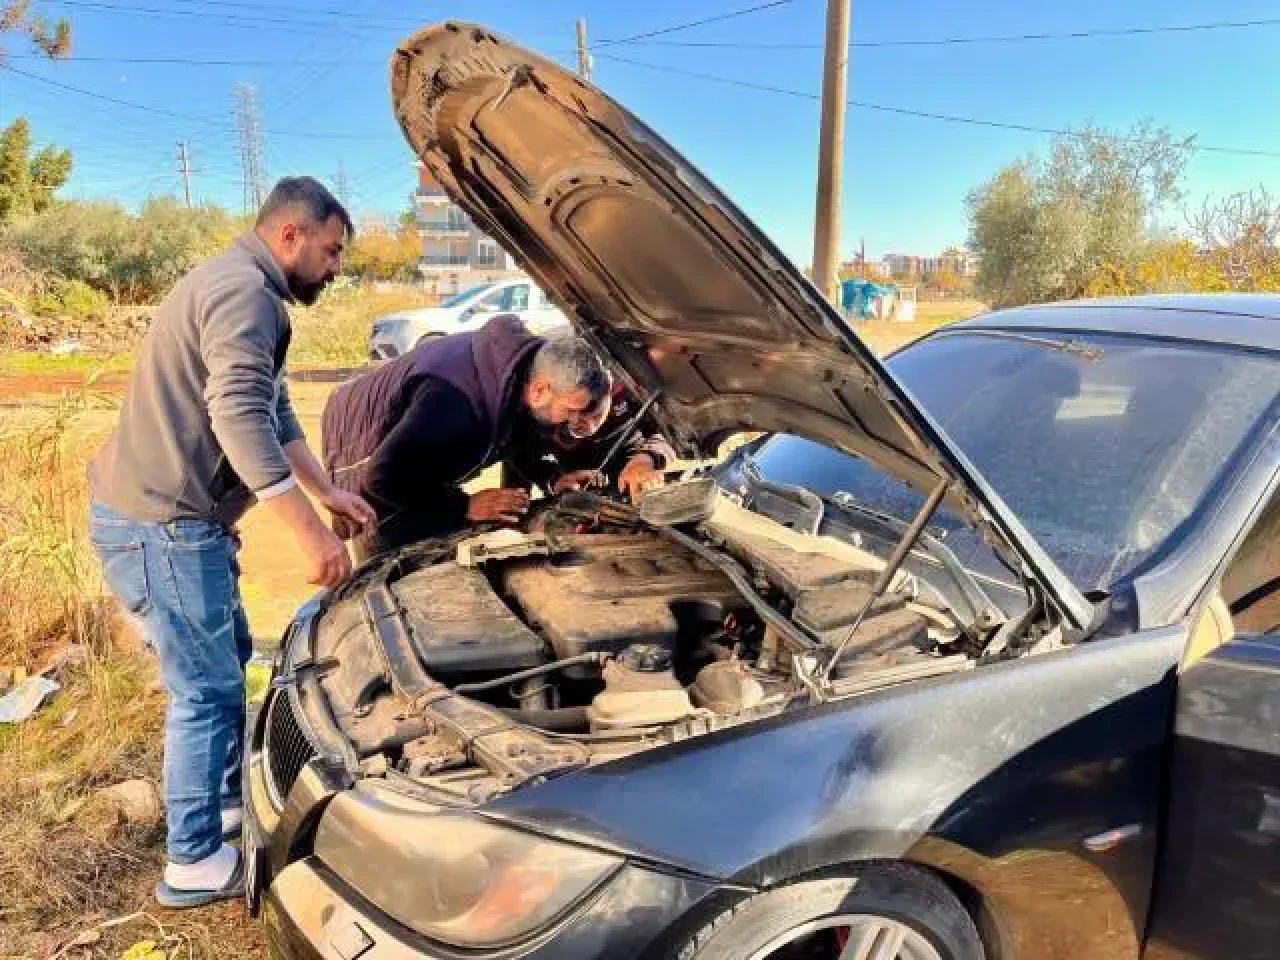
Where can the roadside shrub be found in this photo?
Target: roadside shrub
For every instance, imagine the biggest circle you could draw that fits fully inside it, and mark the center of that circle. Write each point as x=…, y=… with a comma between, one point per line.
x=133, y=258
x=74, y=298
x=335, y=332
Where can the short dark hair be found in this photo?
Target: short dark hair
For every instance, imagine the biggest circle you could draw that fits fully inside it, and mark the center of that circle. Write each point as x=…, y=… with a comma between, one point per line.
x=309, y=195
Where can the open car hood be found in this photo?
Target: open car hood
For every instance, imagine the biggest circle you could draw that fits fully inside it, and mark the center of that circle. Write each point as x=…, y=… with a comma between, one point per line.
x=666, y=275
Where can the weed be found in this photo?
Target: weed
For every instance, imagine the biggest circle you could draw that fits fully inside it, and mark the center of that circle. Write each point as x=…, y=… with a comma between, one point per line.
x=336, y=331
x=68, y=863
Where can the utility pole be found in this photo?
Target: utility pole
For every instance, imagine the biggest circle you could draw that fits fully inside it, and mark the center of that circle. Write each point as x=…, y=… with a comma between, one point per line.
x=184, y=167
x=835, y=74
x=584, y=57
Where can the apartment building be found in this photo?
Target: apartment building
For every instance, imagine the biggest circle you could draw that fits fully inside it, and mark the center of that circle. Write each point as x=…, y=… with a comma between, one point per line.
x=456, y=255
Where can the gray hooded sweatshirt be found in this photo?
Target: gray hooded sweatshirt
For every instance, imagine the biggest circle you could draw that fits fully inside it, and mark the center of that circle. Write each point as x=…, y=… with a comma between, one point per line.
x=203, y=427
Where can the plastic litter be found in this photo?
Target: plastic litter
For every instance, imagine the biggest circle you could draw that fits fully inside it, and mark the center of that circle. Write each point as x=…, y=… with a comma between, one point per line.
x=26, y=698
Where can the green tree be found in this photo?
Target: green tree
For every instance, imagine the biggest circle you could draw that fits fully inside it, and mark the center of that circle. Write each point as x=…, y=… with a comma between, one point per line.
x=18, y=17
x=1046, y=227
x=27, y=184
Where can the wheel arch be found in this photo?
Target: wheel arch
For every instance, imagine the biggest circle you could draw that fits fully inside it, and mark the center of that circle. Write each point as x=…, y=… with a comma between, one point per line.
x=991, y=931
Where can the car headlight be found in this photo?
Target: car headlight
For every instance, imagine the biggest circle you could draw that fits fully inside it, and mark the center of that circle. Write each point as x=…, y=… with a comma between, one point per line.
x=452, y=876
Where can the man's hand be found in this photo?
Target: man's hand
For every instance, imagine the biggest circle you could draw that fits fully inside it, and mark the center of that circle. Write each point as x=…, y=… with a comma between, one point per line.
x=638, y=476
x=578, y=480
x=351, y=507
x=328, y=563
x=503, y=505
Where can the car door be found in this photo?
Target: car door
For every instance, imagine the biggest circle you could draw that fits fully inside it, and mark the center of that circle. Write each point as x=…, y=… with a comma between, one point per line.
x=519, y=302
x=1218, y=888
x=486, y=308
x=544, y=315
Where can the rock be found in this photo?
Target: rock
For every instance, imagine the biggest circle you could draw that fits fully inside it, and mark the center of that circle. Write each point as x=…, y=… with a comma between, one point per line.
x=137, y=802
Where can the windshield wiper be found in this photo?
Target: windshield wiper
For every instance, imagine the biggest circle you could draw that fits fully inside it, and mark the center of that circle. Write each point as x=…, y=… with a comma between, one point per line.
x=1078, y=348
x=846, y=501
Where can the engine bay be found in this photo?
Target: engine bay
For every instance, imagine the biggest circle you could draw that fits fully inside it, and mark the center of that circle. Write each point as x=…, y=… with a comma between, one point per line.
x=477, y=665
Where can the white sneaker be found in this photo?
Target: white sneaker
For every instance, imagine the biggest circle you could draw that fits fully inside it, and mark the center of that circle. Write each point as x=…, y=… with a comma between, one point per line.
x=232, y=821
x=212, y=873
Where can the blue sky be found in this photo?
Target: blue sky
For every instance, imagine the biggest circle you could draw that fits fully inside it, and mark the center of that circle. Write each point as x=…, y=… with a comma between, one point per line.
x=323, y=93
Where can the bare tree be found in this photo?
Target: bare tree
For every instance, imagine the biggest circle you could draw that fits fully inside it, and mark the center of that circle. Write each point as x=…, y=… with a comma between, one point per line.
x=19, y=17
x=1242, y=233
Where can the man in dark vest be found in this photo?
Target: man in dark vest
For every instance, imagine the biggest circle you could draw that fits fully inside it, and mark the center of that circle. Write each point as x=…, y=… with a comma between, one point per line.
x=408, y=435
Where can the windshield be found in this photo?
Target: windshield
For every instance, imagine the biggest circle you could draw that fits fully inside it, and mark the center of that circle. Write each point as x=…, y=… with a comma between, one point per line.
x=1107, y=448
x=460, y=298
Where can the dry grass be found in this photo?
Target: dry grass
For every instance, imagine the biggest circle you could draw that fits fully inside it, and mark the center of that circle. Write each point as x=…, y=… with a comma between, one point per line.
x=884, y=336
x=67, y=862
x=335, y=332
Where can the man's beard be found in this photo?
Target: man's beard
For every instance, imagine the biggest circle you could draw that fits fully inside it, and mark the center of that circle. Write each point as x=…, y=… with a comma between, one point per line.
x=307, y=292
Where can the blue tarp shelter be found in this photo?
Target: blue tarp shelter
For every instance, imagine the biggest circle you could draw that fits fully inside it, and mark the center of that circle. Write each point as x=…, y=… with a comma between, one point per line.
x=858, y=297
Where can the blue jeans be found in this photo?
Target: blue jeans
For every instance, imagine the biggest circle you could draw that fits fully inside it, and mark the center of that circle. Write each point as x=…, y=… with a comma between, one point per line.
x=180, y=580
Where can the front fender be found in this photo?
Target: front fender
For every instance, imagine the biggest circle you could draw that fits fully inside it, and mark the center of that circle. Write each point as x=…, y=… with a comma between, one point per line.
x=970, y=773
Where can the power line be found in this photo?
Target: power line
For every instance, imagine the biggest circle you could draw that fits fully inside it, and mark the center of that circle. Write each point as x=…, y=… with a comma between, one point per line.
x=1006, y=38
x=277, y=63
x=636, y=38
x=190, y=118
x=256, y=9
x=255, y=21
x=924, y=114
x=723, y=44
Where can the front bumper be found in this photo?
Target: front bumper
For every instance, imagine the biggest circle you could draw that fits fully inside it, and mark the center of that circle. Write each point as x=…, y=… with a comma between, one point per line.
x=310, y=914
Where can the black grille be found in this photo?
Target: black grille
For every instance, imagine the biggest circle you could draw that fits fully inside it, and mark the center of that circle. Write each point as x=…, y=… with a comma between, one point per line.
x=288, y=749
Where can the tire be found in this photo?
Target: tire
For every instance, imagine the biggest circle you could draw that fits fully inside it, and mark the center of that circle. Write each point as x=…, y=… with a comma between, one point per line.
x=801, y=920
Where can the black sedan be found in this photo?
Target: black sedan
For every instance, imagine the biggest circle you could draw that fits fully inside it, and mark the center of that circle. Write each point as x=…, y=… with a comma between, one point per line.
x=968, y=656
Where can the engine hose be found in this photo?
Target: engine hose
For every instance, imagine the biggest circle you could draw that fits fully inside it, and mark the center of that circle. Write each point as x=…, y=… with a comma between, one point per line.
x=562, y=720
x=510, y=678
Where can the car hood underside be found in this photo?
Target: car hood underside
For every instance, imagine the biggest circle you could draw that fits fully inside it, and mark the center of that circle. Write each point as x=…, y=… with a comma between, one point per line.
x=665, y=274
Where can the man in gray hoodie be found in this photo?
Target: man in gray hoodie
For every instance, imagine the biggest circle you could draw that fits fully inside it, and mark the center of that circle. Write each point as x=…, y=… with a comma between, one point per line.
x=205, y=431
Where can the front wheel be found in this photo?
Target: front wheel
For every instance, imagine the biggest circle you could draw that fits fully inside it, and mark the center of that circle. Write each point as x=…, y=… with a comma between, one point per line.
x=885, y=912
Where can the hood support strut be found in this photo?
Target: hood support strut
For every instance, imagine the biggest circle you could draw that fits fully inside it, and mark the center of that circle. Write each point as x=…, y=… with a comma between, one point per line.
x=891, y=567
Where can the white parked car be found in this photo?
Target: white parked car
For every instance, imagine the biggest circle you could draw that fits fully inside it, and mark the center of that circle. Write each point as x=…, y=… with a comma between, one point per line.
x=397, y=333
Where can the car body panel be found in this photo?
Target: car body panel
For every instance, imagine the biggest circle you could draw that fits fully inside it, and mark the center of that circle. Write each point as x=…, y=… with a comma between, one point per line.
x=691, y=301
x=1250, y=320
x=893, y=775
x=1221, y=866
